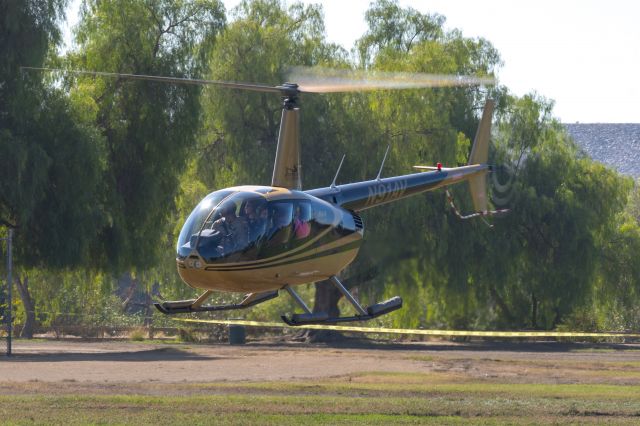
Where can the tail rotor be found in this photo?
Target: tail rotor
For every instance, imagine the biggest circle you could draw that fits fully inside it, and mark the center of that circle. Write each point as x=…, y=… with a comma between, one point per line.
x=478, y=181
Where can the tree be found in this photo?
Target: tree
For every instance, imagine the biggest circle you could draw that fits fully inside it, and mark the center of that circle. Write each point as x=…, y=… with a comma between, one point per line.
x=149, y=128
x=613, y=303
x=242, y=130
x=564, y=204
x=416, y=238
x=26, y=32
x=51, y=174
x=395, y=29
x=241, y=135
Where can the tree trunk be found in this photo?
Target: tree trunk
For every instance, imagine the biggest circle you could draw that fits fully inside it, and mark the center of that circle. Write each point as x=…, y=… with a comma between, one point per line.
x=534, y=311
x=129, y=292
x=326, y=300
x=29, y=307
x=3, y=301
x=501, y=304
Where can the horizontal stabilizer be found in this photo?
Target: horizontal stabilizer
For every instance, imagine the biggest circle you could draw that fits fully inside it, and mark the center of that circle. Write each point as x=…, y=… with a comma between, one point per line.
x=427, y=168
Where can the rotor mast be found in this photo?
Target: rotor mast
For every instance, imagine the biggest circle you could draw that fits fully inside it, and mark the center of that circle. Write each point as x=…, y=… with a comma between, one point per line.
x=287, y=167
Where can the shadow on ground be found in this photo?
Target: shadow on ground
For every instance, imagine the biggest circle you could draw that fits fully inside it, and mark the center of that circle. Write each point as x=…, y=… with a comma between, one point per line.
x=157, y=354
x=511, y=345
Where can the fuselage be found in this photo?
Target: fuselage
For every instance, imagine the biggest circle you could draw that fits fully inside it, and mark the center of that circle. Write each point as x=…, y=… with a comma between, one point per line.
x=261, y=238
x=255, y=238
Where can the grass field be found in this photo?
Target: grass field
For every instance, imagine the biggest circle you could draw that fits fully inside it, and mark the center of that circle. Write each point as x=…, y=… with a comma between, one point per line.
x=371, y=398
x=448, y=387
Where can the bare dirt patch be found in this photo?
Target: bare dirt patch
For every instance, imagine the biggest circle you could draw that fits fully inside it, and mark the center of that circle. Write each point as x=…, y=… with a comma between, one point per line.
x=76, y=364
x=350, y=382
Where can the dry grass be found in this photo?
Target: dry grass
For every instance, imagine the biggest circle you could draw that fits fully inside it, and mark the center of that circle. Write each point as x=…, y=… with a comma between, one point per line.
x=372, y=398
x=437, y=387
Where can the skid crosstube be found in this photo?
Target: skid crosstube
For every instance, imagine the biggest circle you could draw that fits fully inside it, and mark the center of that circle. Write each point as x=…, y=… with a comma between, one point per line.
x=188, y=306
x=373, y=311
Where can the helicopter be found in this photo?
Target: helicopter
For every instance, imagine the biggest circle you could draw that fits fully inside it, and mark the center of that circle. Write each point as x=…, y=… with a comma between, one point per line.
x=259, y=240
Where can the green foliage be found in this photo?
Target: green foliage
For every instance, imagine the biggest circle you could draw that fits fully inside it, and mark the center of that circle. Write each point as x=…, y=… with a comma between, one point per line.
x=411, y=247
x=241, y=129
x=149, y=127
x=533, y=269
x=563, y=208
x=396, y=29
x=27, y=30
x=138, y=335
x=51, y=176
x=101, y=173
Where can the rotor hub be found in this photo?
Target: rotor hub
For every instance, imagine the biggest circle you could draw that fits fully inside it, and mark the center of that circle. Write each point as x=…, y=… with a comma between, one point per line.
x=290, y=94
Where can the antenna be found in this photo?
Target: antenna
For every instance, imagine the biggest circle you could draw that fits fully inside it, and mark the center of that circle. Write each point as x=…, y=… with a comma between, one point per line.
x=333, y=184
x=383, y=160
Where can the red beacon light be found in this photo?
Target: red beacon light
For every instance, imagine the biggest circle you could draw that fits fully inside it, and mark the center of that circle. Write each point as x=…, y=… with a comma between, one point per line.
x=439, y=166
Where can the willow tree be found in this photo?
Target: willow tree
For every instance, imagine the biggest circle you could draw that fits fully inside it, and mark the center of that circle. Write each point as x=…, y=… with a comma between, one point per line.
x=264, y=40
x=149, y=128
x=408, y=242
x=544, y=259
x=260, y=45
x=51, y=160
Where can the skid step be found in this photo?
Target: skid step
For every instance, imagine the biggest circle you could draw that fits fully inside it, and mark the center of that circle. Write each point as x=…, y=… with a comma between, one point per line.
x=385, y=307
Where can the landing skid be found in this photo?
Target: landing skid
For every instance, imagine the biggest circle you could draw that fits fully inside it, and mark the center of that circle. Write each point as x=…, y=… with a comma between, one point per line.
x=370, y=312
x=196, y=305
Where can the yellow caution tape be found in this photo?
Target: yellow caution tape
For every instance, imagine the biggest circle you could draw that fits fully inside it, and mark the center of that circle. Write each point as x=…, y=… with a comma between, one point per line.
x=462, y=333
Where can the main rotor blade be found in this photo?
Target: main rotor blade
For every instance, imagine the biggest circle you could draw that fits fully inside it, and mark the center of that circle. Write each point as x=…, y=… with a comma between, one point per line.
x=314, y=80
x=228, y=84
x=325, y=80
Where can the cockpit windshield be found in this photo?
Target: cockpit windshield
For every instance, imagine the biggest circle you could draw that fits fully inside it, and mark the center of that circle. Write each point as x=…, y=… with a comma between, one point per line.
x=243, y=226
x=196, y=219
x=233, y=227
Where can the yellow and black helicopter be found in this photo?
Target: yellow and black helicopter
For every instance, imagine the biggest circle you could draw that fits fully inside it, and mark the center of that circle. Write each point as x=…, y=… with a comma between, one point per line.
x=259, y=240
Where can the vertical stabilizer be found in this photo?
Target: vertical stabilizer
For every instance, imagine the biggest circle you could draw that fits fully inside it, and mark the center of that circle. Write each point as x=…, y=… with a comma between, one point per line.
x=478, y=189
x=480, y=149
x=480, y=155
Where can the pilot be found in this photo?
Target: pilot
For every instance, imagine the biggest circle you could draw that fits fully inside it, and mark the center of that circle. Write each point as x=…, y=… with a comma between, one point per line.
x=234, y=230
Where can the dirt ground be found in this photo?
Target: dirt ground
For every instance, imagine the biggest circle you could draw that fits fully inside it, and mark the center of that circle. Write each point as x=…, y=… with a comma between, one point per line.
x=103, y=362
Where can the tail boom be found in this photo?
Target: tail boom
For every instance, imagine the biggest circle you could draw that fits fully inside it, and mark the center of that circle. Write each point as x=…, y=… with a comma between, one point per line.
x=372, y=193
x=364, y=195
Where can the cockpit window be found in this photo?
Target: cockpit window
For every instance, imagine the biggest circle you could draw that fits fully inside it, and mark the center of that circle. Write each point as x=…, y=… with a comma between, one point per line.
x=242, y=226
x=302, y=220
x=233, y=227
x=196, y=219
x=280, y=229
x=323, y=213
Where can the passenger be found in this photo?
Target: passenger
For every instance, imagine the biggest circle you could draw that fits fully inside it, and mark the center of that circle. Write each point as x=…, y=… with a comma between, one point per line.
x=280, y=230
x=301, y=227
x=256, y=217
